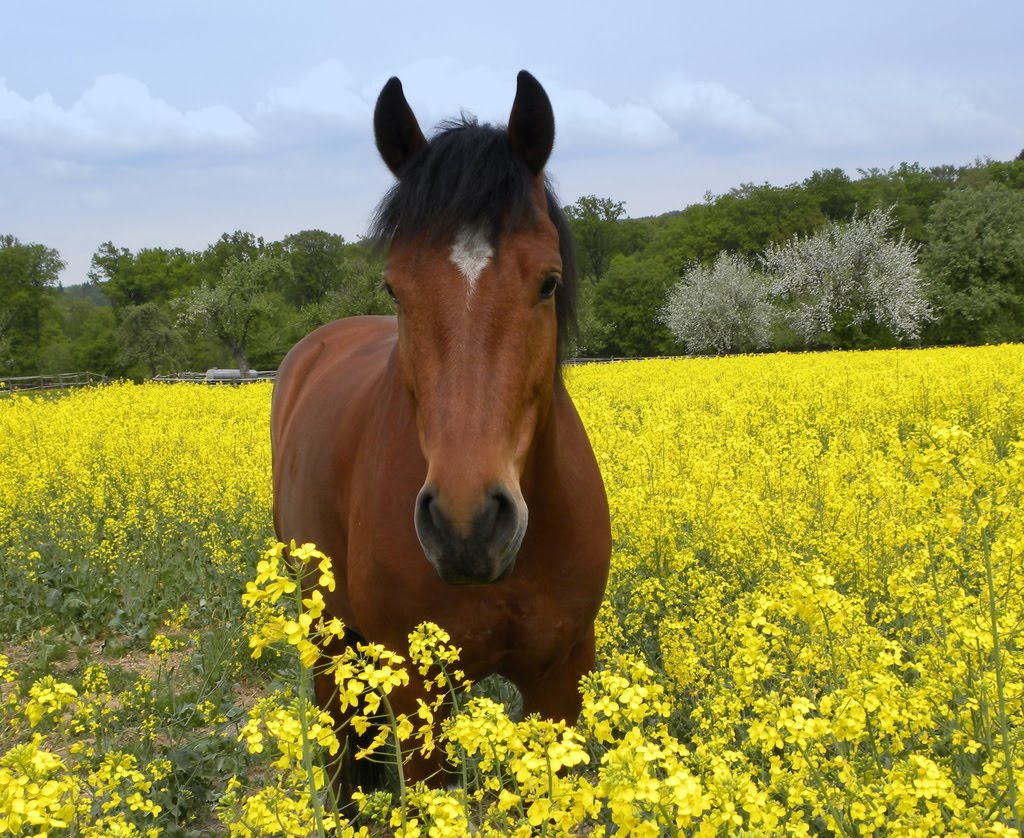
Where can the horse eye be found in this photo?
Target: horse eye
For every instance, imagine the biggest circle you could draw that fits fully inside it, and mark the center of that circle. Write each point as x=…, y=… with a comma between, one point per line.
x=549, y=286
x=391, y=293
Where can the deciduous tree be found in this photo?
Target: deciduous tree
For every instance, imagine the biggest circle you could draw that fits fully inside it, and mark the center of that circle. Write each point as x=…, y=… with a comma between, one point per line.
x=28, y=273
x=147, y=338
x=834, y=192
x=841, y=284
x=629, y=300
x=318, y=262
x=240, y=246
x=152, y=275
x=358, y=289
x=594, y=226
x=721, y=308
x=233, y=308
x=975, y=261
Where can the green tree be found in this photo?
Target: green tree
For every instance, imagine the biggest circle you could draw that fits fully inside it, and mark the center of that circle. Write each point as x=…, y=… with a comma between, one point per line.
x=153, y=275
x=1009, y=174
x=318, y=261
x=629, y=301
x=235, y=308
x=358, y=289
x=595, y=227
x=748, y=219
x=238, y=246
x=975, y=262
x=687, y=237
x=745, y=220
x=592, y=333
x=834, y=193
x=148, y=339
x=78, y=334
x=28, y=273
x=911, y=188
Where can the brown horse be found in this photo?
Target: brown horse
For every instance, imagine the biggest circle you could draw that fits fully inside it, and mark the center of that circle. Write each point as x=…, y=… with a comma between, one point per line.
x=414, y=449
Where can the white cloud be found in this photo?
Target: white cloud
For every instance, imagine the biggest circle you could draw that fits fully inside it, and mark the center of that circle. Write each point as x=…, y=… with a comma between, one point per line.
x=117, y=116
x=587, y=121
x=878, y=113
x=695, y=107
x=327, y=91
x=330, y=98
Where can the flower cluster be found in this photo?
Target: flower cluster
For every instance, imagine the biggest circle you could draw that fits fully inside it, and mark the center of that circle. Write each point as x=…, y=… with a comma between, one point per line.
x=813, y=622
x=120, y=503
x=40, y=795
x=820, y=557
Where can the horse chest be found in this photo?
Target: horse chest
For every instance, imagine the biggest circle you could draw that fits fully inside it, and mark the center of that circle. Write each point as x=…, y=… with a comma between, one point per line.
x=491, y=624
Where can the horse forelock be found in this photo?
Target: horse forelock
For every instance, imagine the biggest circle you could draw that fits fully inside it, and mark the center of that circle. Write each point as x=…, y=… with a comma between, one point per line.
x=467, y=178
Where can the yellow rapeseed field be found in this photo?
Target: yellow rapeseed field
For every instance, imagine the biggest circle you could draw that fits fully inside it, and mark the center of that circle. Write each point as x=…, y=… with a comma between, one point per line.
x=813, y=624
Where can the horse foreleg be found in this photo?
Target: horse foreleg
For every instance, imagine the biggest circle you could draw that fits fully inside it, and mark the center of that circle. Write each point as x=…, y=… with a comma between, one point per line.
x=555, y=694
x=377, y=771
x=347, y=773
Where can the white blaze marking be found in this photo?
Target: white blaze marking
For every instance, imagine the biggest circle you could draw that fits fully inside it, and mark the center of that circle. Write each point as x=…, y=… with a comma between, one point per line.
x=471, y=253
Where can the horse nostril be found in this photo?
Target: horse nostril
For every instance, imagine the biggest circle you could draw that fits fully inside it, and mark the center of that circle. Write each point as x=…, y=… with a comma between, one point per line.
x=481, y=552
x=502, y=516
x=428, y=512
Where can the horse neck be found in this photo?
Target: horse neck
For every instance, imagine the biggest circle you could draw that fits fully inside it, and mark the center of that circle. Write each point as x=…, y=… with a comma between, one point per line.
x=543, y=456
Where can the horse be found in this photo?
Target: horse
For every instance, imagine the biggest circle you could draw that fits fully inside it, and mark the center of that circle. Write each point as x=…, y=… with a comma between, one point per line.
x=436, y=455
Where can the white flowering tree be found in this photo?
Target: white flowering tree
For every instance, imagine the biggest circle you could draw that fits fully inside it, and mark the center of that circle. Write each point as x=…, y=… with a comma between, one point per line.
x=847, y=279
x=720, y=309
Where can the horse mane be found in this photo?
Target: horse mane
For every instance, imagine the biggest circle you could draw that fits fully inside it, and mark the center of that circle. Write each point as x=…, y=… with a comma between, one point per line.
x=467, y=175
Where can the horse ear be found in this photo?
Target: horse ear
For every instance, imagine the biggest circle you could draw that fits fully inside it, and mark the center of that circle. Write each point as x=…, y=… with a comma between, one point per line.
x=395, y=128
x=531, y=125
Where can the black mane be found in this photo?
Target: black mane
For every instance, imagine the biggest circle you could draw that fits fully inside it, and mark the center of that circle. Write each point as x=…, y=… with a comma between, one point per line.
x=468, y=175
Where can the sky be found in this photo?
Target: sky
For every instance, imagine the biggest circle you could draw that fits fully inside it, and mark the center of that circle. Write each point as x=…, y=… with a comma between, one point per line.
x=167, y=124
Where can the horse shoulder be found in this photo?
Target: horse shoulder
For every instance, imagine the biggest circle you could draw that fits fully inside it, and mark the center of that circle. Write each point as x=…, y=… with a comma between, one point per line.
x=326, y=352
x=322, y=397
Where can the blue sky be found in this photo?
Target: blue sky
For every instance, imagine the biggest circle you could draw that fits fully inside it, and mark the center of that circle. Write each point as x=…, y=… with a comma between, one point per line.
x=167, y=124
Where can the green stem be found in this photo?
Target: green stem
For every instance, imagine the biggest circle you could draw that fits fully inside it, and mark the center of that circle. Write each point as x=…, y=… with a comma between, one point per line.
x=399, y=762
x=997, y=658
x=997, y=663
x=307, y=746
x=463, y=770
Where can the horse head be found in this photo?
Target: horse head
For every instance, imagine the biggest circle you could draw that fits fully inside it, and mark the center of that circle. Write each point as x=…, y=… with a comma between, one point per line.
x=480, y=267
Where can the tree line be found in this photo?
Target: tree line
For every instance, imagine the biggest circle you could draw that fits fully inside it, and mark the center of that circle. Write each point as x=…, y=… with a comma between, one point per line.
x=964, y=224
x=910, y=254
x=241, y=302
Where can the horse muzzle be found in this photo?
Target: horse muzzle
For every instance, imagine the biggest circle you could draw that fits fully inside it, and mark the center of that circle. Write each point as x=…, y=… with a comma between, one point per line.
x=480, y=550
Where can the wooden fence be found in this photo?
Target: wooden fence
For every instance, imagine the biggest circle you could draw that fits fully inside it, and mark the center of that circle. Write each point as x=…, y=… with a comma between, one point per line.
x=58, y=381
x=217, y=376
x=68, y=380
